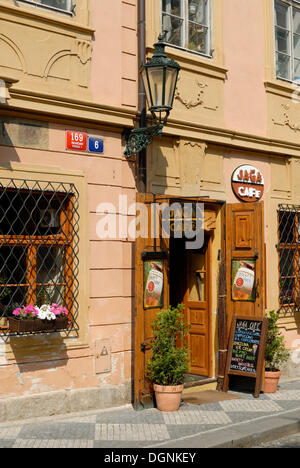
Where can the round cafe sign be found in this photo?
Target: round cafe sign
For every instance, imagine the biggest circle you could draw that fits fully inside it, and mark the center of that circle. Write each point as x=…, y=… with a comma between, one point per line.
x=248, y=183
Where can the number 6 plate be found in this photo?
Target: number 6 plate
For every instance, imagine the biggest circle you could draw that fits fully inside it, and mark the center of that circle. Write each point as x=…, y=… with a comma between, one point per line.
x=95, y=145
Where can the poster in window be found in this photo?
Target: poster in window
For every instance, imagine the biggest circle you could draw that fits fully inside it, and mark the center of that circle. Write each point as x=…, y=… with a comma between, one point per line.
x=153, y=284
x=243, y=280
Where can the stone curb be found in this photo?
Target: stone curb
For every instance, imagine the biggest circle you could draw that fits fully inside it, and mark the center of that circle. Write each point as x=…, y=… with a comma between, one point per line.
x=243, y=435
x=63, y=402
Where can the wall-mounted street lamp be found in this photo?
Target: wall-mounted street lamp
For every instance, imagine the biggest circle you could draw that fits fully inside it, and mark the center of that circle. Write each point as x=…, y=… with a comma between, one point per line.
x=160, y=76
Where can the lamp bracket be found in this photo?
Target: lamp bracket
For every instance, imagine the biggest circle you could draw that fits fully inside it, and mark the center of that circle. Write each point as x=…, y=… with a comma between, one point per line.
x=139, y=138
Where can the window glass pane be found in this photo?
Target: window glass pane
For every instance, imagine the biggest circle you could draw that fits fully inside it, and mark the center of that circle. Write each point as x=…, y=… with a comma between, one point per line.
x=282, y=41
x=174, y=28
x=287, y=276
x=296, y=21
x=61, y=4
x=198, y=38
x=30, y=212
x=173, y=7
x=283, y=66
x=296, y=46
x=199, y=12
x=13, y=282
x=286, y=220
x=282, y=15
x=296, y=69
x=50, y=280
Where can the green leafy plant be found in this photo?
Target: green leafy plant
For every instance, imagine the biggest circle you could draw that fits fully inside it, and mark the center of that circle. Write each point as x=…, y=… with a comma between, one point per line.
x=170, y=352
x=276, y=353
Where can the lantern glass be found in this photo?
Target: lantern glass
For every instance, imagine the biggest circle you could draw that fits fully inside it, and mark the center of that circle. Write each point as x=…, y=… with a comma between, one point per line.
x=171, y=79
x=156, y=86
x=160, y=83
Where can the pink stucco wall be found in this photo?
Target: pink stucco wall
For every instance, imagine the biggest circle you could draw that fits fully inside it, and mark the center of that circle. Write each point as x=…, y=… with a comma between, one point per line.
x=110, y=276
x=245, y=97
x=110, y=307
x=114, y=64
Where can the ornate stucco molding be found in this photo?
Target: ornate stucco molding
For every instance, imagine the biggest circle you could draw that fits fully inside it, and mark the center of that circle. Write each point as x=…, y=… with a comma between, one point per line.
x=198, y=100
x=287, y=120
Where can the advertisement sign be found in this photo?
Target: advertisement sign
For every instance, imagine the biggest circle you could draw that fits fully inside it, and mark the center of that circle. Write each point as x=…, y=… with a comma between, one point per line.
x=248, y=183
x=153, y=284
x=76, y=141
x=243, y=280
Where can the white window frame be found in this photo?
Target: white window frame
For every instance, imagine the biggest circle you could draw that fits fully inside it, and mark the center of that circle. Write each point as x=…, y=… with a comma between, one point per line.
x=36, y=4
x=291, y=4
x=184, y=31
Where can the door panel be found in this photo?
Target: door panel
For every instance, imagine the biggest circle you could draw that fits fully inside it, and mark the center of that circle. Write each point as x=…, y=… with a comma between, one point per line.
x=245, y=242
x=144, y=317
x=197, y=307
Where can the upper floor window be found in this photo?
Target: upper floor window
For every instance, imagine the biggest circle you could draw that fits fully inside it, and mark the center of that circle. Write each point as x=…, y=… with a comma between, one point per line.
x=187, y=24
x=66, y=6
x=287, y=39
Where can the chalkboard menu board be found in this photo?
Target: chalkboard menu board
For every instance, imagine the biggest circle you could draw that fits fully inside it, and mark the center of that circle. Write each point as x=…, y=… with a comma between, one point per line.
x=246, y=349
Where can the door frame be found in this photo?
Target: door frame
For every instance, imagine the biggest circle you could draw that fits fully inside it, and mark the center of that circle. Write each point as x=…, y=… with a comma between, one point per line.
x=142, y=392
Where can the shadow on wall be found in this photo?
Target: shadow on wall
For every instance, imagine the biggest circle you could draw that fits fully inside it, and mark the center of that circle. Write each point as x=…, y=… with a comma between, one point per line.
x=21, y=133
x=43, y=352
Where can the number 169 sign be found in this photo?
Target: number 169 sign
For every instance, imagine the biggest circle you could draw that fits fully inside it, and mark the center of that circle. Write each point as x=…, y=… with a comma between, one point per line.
x=76, y=140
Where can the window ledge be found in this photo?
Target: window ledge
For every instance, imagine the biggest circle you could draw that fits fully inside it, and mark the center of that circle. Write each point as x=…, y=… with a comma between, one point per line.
x=193, y=61
x=282, y=87
x=46, y=16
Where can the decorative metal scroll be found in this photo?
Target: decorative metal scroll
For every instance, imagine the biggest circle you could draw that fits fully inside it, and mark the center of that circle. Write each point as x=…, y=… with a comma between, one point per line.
x=139, y=138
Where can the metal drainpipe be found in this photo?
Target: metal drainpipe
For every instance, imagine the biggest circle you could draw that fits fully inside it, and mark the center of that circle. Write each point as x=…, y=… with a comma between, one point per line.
x=142, y=162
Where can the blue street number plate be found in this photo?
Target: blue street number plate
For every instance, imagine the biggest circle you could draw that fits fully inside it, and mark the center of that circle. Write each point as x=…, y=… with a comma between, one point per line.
x=95, y=145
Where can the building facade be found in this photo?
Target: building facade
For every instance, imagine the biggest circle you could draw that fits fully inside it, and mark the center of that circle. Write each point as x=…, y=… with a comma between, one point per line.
x=69, y=89
x=232, y=143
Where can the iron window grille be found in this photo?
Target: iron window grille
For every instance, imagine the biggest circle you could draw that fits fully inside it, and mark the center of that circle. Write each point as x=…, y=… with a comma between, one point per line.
x=39, y=243
x=289, y=258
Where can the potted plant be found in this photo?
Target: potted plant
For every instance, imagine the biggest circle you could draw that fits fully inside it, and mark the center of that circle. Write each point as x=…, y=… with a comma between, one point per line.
x=30, y=318
x=276, y=354
x=170, y=357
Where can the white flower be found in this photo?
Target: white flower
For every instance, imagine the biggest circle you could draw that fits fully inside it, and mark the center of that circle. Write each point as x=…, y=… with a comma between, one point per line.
x=42, y=314
x=50, y=316
x=45, y=308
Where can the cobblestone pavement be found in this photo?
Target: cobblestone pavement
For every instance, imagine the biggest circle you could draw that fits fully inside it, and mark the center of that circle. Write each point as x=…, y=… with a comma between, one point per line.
x=292, y=441
x=123, y=427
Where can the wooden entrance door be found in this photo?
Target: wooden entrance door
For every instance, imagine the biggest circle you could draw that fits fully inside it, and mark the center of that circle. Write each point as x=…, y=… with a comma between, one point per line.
x=245, y=250
x=197, y=307
x=147, y=248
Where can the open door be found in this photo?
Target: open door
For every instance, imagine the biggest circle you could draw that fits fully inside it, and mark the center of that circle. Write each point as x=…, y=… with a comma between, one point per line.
x=245, y=260
x=151, y=289
x=197, y=307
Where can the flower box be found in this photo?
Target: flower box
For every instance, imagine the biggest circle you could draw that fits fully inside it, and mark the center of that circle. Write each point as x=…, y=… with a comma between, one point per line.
x=37, y=325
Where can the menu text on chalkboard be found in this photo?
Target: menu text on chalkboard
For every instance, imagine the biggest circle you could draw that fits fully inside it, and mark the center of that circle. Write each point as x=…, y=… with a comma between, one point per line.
x=246, y=349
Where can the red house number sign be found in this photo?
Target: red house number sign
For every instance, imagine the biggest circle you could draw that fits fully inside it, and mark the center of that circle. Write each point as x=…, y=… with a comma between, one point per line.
x=76, y=140
x=248, y=183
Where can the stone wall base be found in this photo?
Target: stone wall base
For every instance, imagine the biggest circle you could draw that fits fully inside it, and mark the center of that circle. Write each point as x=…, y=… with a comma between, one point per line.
x=63, y=402
x=291, y=371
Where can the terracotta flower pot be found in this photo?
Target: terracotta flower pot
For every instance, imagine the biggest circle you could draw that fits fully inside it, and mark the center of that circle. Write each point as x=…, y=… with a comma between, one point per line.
x=168, y=398
x=271, y=381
